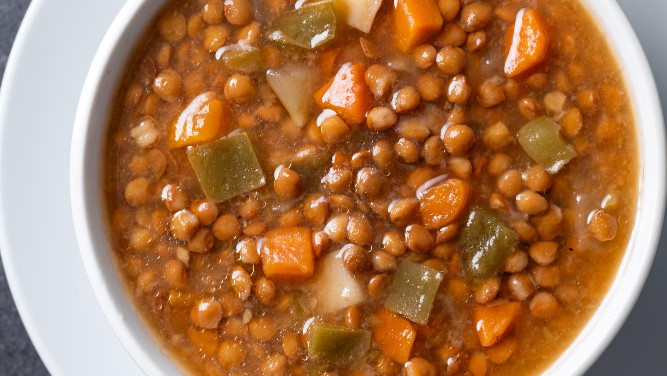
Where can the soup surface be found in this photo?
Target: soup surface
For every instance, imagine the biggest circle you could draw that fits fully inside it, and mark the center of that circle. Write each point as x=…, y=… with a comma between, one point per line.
x=358, y=187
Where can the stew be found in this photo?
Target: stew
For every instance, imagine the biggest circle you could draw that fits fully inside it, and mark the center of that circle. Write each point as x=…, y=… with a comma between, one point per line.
x=359, y=187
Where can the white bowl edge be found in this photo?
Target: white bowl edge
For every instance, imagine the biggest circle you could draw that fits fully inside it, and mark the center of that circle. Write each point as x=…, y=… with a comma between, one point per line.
x=96, y=252
x=86, y=184
x=640, y=251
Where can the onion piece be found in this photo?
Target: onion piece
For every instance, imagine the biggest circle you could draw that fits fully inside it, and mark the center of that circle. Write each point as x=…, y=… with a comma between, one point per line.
x=334, y=286
x=294, y=85
x=359, y=14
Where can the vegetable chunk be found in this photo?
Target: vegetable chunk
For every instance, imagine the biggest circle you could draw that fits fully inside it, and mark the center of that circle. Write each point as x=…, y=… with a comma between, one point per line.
x=293, y=84
x=541, y=140
x=307, y=27
x=287, y=254
x=347, y=94
x=444, y=203
x=414, y=22
x=204, y=119
x=485, y=242
x=494, y=322
x=394, y=335
x=526, y=43
x=412, y=291
x=359, y=14
x=240, y=57
x=227, y=168
x=334, y=286
x=501, y=351
x=337, y=344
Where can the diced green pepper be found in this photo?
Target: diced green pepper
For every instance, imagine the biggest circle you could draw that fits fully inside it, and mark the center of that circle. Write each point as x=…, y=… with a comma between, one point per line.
x=413, y=290
x=308, y=27
x=242, y=58
x=227, y=167
x=310, y=166
x=337, y=344
x=485, y=242
x=541, y=140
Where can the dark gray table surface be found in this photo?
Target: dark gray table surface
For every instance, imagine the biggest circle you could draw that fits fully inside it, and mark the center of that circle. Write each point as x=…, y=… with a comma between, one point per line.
x=640, y=347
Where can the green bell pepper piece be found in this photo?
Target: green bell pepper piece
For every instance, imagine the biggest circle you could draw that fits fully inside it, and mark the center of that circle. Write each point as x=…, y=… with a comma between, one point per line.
x=337, y=344
x=485, y=242
x=242, y=58
x=227, y=167
x=541, y=140
x=308, y=27
x=412, y=291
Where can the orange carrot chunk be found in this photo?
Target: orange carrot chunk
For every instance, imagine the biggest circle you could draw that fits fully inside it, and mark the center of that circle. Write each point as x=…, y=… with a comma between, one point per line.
x=327, y=60
x=526, y=43
x=287, y=254
x=494, y=322
x=444, y=203
x=347, y=94
x=205, y=119
x=414, y=22
x=394, y=335
x=501, y=351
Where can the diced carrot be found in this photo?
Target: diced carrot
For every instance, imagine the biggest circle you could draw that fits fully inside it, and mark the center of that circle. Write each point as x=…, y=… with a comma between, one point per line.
x=494, y=322
x=477, y=365
x=205, y=119
x=287, y=254
x=444, y=203
x=347, y=94
x=327, y=60
x=501, y=351
x=526, y=43
x=415, y=21
x=394, y=335
x=204, y=339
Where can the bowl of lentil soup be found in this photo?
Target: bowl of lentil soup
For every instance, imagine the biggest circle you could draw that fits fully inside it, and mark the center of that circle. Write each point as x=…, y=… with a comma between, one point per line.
x=365, y=187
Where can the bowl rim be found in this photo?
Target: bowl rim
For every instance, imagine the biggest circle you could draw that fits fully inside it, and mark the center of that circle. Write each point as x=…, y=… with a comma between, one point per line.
x=129, y=326
x=589, y=343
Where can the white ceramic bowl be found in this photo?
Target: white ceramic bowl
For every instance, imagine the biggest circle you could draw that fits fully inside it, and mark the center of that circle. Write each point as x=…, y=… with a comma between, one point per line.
x=89, y=209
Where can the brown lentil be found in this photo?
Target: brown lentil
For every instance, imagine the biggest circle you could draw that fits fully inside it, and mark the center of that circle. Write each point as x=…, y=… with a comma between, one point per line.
x=458, y=139
x=418, y=239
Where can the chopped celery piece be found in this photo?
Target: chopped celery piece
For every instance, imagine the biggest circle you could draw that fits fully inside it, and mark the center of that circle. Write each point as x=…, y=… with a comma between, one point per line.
x=307, y=27
x=240, y=57
x=485, y=242
x=337, y=344
x=294, y=85
x=413, y=290
x=227, y=167
x=541, y=140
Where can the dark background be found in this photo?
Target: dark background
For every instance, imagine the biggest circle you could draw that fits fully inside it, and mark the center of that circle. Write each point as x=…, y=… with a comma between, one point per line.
x=640, y=347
